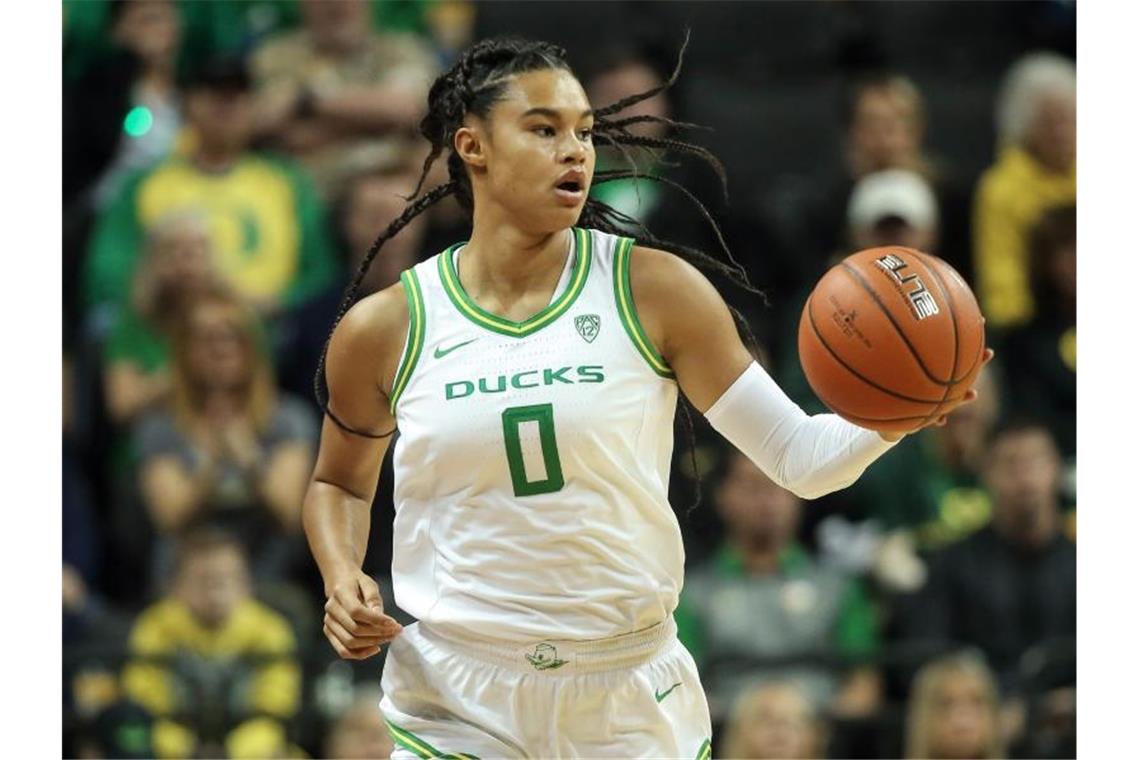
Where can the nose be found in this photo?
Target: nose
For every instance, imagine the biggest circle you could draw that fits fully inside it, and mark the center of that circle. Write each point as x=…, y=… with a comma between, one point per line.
x=572, y=151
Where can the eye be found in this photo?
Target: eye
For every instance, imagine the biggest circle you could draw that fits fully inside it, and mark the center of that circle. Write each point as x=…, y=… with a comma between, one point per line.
x=586, y=134
x=544, y=130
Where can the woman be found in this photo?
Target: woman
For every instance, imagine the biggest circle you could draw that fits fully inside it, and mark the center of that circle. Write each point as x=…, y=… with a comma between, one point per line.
x=774, y=720
x=177, y=267
x=954, y=711
x=533, y=373
x=226, y=449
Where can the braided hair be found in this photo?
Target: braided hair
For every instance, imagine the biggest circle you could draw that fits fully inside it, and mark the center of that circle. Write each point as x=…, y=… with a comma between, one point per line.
x=473, y=85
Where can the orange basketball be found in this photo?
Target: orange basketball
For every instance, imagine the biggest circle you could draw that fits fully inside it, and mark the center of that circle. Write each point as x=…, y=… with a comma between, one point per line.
x=891, y=336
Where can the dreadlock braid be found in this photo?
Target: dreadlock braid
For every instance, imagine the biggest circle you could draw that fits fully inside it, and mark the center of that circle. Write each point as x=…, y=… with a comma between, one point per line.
x=473, y=85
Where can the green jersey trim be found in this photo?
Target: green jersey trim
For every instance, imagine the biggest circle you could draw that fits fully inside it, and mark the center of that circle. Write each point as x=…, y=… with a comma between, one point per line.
x=705, y=752
x=624, y=296
x=495, y=323
x=418, y=746
x=415, y=345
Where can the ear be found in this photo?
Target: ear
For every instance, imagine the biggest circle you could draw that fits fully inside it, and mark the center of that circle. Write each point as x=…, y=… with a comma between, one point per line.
x=470, y=145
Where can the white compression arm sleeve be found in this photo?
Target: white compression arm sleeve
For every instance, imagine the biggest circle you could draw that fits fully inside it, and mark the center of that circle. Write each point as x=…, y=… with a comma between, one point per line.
x=808, y=455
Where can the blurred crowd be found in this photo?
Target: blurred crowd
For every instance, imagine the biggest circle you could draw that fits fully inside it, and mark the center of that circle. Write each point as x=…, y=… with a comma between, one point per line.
x=226, y=165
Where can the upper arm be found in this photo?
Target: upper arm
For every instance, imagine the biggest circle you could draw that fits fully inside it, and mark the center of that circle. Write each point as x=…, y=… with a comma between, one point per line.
x=689, y=323
x=362, y=360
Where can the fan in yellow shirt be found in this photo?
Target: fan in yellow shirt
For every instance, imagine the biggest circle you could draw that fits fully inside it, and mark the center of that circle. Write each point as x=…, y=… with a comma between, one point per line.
x=217, y=667
x=1036, y=170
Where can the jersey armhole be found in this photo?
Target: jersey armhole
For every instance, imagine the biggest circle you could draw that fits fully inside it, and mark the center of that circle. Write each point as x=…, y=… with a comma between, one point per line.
x=627, y=311
x=414, y=344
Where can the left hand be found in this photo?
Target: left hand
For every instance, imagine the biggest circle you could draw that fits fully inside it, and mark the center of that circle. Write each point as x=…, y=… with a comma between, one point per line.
x=939, y=421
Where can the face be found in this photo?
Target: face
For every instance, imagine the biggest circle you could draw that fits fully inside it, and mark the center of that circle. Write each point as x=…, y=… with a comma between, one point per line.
x=222, y=119
x=534, y=155
x=360, y=734
x=1022, y=474
x=962, y=725
x=630, y=79
x=182, y=257
x=212, y=583
x=754, y=508
x=220, y=347
x=373, y=202
x=151, y=29
x=885, y=131
x=971, y=423
x=1052, y=136
x=1063, y=269
x=336, y=25
x=780, y=726
x=895, y=231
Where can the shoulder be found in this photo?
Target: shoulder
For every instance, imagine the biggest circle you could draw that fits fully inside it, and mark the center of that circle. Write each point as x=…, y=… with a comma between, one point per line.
x=266, y=629
x=370, y=337
x=674, y=300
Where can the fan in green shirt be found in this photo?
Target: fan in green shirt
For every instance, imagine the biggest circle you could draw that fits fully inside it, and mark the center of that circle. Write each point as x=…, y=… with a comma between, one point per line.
x=265, y=222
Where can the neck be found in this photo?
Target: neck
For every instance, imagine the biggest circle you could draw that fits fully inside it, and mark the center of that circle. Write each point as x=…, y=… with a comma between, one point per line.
x=1033, y=533
x=223, y=403
x=761, y=556
x=215, y=158
x=506, y=262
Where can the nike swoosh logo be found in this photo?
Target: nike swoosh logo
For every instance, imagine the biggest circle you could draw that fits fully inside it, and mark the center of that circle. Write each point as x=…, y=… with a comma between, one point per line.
x=440, y=353
x=661, y=695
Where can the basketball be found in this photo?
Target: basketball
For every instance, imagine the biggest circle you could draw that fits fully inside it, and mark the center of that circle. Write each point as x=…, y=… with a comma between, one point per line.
x=889, y=337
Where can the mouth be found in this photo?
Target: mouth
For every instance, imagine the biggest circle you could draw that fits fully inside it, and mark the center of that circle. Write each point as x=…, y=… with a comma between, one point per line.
x=571, y=191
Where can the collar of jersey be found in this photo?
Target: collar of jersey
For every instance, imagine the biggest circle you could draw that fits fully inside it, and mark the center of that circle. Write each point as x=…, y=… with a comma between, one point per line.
x=484, y=318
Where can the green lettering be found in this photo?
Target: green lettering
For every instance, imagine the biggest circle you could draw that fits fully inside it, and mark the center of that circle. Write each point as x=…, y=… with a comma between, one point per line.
x=502, y=383
x=549, y=376
x=516, y=381
x=591, y=373
x=467, y=386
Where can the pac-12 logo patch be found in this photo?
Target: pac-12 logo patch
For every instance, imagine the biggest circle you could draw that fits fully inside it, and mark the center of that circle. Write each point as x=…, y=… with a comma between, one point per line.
x=587, y=325
x=545, y=657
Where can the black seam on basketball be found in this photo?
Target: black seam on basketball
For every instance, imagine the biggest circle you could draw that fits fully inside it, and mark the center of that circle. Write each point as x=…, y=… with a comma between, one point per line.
x=954, y=325
x=855, y=275
x=856, y=373
x=981, y=350
x=844, y=413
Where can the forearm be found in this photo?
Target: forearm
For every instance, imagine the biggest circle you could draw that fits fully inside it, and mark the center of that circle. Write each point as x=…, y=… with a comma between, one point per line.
x=371, y=108
x=174, y=495
x=336, y=526
x=808, y=455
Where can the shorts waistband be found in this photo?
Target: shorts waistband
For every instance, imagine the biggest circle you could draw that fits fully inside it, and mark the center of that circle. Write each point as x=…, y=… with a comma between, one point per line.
x=564, y=656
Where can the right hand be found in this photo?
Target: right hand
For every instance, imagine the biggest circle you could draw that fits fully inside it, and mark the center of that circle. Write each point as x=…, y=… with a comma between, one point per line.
x=355, y=623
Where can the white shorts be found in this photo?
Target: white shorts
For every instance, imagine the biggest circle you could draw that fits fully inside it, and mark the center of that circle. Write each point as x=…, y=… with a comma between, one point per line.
x=636, y=695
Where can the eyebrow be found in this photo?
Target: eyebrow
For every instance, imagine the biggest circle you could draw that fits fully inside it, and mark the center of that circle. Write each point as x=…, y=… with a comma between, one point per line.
x=550, y=112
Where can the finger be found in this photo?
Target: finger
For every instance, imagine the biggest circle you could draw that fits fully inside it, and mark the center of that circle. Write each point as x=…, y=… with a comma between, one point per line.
x=355, y=617
x=351, y=641
x=971, y=395
x=987, y=355
x=345, y=652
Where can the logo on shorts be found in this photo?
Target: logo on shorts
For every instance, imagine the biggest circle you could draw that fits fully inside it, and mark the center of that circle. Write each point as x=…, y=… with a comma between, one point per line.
x=545, y=657
x=588, y=325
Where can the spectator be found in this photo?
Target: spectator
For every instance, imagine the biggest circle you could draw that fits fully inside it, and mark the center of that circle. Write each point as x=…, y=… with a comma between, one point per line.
x=774, y=721
x=372, y=196
x=360, y=732
x=336, y=85
x=1012, y=584
x=954, y=711
x=616, y=74
x=893, y=207
x=123, y=114
x=217, y=667
x=1040, y=358
x=931, y=485
x=266, y=224
x=177, y=266
x=226, y=448
x=1035, y=170
x=764, y=598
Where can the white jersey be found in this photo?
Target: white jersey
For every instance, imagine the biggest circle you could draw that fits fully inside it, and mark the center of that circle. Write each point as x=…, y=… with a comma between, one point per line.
x=532, y=464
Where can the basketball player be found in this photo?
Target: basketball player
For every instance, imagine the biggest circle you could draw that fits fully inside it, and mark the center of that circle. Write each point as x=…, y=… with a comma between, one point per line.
x=533, y=373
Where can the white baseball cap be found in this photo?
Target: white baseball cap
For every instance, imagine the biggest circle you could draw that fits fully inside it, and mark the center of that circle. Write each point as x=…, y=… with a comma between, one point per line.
x=893, y=192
